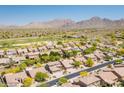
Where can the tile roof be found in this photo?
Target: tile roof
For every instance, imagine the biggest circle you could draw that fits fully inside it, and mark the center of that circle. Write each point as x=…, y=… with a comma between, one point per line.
x=119, y=71
x=67, y=63
x=14, y=79
x=4, y=60
x=89, y=79
x=108, y=76
x=33, y=72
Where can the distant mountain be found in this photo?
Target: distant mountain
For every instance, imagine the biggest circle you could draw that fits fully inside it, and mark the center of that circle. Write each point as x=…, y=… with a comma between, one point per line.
x=97, y=22
x=57, y=23
x=94, y=22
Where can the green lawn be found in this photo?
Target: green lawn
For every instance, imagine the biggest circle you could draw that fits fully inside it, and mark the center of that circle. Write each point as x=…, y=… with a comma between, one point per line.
x=20, y=42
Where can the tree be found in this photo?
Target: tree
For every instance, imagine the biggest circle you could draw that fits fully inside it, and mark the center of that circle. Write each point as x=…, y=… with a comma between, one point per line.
x=107, y=58
x=2, y=85
x=84, y=73
x=89, y=62
x=41, y=76
x=122, y=84
x=62, y=80
x=22, y=66
x=37, y=60
x=98, y=40
x=90, y=50
x=77, y=64
x=120, y=52
x=68, y=54
x=112, y=35
x=54, y=56
x=59, y=43
x=82, y=42
x=44, y=58
x=118, y=61
x=29, y=62
x=94, y=45
x=38, y=65
x=13, y=70
x=74, y=52
x=27, y=82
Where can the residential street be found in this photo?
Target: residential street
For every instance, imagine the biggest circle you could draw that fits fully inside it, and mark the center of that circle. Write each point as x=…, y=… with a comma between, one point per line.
x=72, y=75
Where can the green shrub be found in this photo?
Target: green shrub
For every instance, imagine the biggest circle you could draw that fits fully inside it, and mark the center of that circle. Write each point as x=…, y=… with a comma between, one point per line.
x=27, y=82
x=84, y=73
x=2, y=85
x=107, y=58
x=89, y=62
x=59, y=43
x=62, y=80
x=77, y=64
x=22, y=66
x=89, y=50
x=44, y=57
x=41, y=76
x=118, y=61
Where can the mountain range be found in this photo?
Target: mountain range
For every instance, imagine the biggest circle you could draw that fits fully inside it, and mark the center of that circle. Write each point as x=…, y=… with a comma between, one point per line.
x=94, y=22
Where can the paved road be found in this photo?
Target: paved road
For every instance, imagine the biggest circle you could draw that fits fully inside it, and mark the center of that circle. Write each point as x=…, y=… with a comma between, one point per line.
x=72, y=75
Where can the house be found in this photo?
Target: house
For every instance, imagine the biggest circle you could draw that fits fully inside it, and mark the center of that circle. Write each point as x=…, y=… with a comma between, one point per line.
x=80, y=58
x=66, y=45
x=32, y=72
x=50, y=45
x=17, y=59
x=92, y=56
x=59, y=46
x=88, y=45
x=69, y=85
x=67, y=64
x=75, y=49
x=2, y=53
x=53, y=67
x=83, y=47
x=76, y=43
x=4, y=61
x=55, y=50
x=66, y=48
x=108, y=77
x=119, y=42
x=11, y=52
x=15, y=79
x=76, y=81
x=32, y=49
x=119, y=71
x=42, y=48
x=75, y=36
x=32, y=55
x=90, y=80
x=22, y=51
x=71, y=44
x=99, y=54
x=110, y=54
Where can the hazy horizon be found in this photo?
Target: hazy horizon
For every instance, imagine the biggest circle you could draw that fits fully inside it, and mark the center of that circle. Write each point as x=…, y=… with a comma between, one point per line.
x=21, y=15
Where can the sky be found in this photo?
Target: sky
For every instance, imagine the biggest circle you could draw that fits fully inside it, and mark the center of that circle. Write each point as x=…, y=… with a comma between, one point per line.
x=20, y=15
